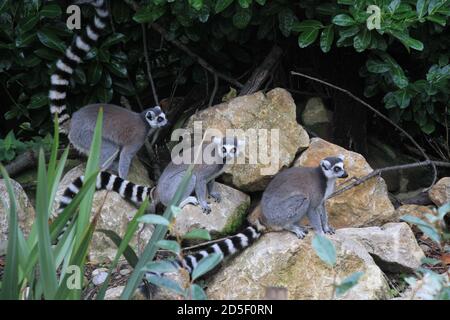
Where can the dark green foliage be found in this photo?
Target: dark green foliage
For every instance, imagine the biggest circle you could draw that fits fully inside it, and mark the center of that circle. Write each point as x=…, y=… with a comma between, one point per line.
x=407, y=68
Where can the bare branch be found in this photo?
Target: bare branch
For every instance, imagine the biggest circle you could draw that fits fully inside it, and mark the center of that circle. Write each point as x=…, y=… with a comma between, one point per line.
x=195, y=56
x=429, y=162
x=147, y=62
x=378, y=172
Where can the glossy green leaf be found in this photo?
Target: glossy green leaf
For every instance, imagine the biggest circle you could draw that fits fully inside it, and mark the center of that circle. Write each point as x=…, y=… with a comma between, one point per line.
x=348, y=283
x=324, y=249
x=154, y=219
x=326, y=38
x=206, y=264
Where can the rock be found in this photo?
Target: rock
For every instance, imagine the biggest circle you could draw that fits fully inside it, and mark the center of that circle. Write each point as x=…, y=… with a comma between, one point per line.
x=114, y=215
x=365, y=205
x=115, y=293
x=393, y=246
x=440, y=192
x=274, y=110
x=225, y=217
x=99, y=276
x=280, y=259
x=415, y=210
x=317, y=118
x=25, y=212
x=430, y=287
x=181, y=278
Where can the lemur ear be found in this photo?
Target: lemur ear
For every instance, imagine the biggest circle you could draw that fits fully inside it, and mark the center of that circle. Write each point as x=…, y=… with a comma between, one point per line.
x=341, y=156
x=326, y=164
x=158, y=108
x=241, y=142
x=150, y=115
x=217, y=140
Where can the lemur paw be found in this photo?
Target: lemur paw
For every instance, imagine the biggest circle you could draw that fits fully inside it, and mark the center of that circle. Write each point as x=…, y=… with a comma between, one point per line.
x=329, y=230
x=216, y=196
x=205, y=208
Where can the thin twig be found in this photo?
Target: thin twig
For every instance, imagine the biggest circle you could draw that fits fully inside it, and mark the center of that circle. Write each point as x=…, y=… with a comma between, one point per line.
x=213, y=95
x=147, y=62
x=195, y=56
x=431, y=163
x=377, y=172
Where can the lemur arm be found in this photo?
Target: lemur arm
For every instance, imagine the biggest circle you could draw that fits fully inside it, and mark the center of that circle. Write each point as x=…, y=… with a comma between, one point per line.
x=324, y=219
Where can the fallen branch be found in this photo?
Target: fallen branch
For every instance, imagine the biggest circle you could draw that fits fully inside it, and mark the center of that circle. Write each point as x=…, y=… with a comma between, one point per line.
x=428, y=162
x=261, y=73
x=24, y=161
x=378, y=172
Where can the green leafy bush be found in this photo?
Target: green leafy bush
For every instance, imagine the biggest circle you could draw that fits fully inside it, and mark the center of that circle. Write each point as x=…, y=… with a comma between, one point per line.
x=407, y=59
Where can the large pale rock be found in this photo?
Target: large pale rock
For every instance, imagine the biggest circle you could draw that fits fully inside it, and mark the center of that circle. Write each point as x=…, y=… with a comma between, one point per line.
x=283, y=260
x=25, y=212
x=440, y=193
x=115, y=213
x=225, y=217
x=415, y=210
x=274, y=110
x=393, y=245
x=365, y=205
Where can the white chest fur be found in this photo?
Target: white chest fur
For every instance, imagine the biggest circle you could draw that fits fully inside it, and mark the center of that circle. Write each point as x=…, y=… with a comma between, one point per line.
x=330, y=187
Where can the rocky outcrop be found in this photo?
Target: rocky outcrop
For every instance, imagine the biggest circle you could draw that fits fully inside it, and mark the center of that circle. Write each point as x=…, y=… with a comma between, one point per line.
x=115, y=213
x=25, y=212
x=365, y=205
x=275, y=110
x=415, y=210
x=282, y=260
x=225, y=217
x=440, y=192
x=393, y=246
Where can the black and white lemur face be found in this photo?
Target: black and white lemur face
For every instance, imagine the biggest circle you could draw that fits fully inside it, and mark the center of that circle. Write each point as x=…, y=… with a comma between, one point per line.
x=229, y=147
x=155, y=117
x=333, y=167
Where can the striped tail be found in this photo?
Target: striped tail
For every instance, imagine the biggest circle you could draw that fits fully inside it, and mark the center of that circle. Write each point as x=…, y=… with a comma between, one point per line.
x=74, y=54
x=106, y=181
x=226, y=247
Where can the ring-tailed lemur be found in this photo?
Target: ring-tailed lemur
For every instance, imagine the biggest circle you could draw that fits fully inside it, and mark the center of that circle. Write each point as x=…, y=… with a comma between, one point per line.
x=301, y=191
x=123, y=131
x=201, y=182
x=291, y=195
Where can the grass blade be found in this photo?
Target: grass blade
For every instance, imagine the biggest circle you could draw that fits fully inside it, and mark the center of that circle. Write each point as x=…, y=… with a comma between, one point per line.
x=124, y=247
x=46, y=258
x=91, y=169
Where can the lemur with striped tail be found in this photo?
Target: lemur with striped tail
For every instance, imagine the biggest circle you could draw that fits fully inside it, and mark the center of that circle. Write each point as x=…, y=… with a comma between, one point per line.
x=291, y=195
x=202, y=181
x=124, y=132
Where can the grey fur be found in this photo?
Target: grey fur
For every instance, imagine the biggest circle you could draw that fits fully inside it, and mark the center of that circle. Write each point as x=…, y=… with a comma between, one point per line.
x=202, y=180
x=124, y=132
x=301, y=191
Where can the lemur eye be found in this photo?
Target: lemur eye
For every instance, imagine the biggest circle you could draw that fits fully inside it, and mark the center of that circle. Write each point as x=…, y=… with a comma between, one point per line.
x=233, y=150
x=224, y=150
x=337, y=169
x=149, y=116
x=160, y=119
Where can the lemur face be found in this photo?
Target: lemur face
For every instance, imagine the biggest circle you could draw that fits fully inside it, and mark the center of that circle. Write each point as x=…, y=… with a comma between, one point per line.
x=333, y=167
x=155, y=117
x=229, y=147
